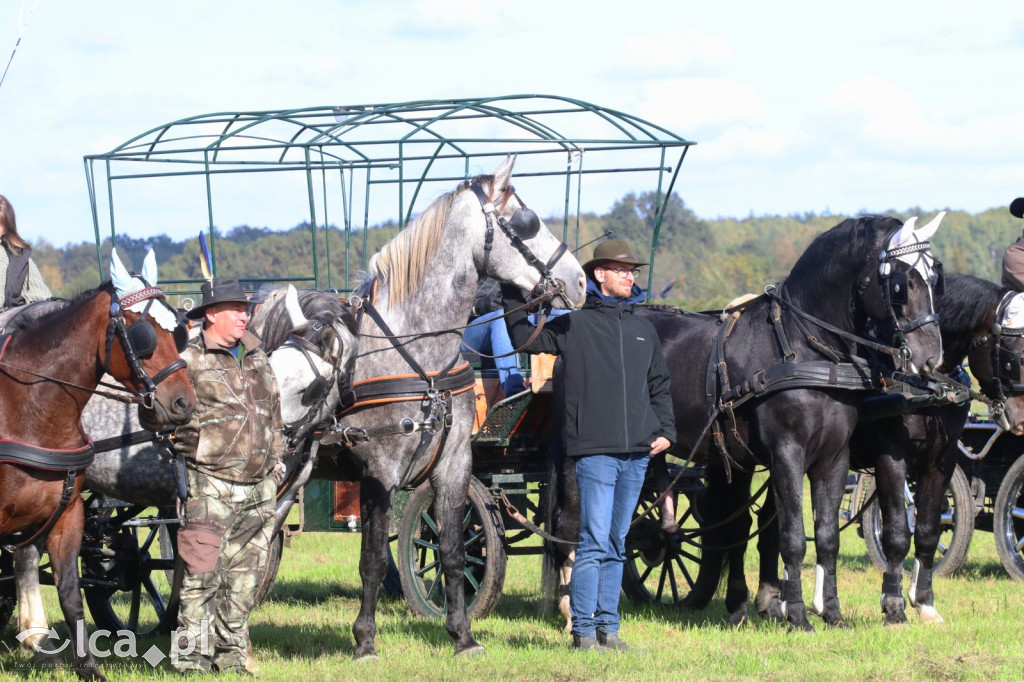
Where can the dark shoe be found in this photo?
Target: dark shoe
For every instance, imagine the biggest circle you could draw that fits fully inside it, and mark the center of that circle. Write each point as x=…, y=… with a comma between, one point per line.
x=586, y=643
x=611, y=641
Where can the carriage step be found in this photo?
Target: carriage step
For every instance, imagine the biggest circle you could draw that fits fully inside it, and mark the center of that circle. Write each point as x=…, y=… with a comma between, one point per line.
x=502, y=419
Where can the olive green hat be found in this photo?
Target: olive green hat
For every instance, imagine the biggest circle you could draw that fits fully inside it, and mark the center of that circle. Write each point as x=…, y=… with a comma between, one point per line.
x=613, y=250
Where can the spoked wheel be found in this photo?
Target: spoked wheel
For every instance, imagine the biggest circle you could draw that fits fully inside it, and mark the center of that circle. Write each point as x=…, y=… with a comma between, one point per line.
x=419, y=558
x=957, y=526
x=661, y=568
x=128, y=572
x=1008, y=523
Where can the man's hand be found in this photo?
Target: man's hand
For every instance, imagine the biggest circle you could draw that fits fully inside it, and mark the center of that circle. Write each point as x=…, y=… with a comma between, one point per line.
x=660, y=444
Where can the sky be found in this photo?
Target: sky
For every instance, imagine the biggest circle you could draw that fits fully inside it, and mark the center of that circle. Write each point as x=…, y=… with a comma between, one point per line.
x=796, y=106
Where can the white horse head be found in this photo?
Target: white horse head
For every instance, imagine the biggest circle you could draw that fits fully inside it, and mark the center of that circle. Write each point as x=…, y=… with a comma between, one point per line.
x=308, y=364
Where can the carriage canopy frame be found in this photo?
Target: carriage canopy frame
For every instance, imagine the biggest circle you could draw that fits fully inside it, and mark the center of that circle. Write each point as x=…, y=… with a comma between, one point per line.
x=406, y=148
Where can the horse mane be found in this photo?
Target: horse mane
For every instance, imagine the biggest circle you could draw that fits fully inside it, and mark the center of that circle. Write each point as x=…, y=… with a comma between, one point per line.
x=317, y=306
x=403, y=261
x=839, y=253
x=967, y=302
x=35, y=314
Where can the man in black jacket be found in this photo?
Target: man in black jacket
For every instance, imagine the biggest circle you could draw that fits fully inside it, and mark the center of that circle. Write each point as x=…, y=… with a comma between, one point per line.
x=618, y=413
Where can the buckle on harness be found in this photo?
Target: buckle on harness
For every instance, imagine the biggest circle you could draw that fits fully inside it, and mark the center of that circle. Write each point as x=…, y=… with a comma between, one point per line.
x=408, y=426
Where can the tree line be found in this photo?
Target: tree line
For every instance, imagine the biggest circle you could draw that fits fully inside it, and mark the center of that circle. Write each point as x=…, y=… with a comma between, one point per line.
x=710, y=261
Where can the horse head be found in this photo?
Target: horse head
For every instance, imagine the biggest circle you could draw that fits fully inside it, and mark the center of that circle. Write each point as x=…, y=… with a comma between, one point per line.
x=898, y=290
x=314, y=362
x=873, y=272
x=996, y=364
x=146, y=357
x=514, y=245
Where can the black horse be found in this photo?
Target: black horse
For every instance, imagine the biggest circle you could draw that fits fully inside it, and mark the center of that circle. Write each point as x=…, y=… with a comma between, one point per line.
x=974, y=319
x=976, y=324
x=777, y=381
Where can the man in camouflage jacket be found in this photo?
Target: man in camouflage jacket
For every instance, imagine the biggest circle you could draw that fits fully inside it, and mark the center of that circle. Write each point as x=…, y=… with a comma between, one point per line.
x=232, y=449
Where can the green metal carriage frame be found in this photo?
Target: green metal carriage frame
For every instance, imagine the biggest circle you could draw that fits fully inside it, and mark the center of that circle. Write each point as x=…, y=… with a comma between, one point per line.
x=408, y=151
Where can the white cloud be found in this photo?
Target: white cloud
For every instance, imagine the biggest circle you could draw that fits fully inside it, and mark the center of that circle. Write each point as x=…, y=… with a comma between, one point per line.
x=681, y=51
x=687, y=104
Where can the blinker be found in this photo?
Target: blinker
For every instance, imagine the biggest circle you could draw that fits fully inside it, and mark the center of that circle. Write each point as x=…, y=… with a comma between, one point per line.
x=898, y=293
x=525, y=223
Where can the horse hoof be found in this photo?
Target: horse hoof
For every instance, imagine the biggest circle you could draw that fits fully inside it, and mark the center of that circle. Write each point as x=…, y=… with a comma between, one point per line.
x=474, y=651
x=894, y=622
x=773, y=612
x=930, y=615
x=801, y=627
x=91, y=672
x=738, y=617
x=838, y=625
x=365, y=657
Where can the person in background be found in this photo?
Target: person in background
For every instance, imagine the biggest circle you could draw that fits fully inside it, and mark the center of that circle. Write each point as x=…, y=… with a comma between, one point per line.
x=1013, y=257
x=22, y=283
x=617, y=415
x=232, y=451
x=488, y=335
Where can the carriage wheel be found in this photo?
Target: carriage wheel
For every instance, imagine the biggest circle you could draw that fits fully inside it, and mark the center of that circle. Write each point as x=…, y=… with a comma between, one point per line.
x=957, y=526
x=1008, y=524
x=419, y=559
x=273, y=566
x=128, y=572
x=661, y=569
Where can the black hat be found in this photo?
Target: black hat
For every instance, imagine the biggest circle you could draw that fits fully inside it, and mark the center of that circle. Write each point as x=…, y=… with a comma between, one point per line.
x=611, y=251
x=218, y=290
x=1017, y=207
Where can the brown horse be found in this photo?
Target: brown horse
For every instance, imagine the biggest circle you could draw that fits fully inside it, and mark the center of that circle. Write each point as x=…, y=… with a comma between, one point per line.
x=48, y=372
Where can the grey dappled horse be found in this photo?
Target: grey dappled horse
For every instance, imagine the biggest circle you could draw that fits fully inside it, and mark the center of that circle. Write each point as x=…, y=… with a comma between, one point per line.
x=422, y=285
x=143, y=474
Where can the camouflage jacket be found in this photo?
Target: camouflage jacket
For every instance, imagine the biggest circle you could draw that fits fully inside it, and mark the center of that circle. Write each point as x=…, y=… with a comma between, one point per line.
x=236, y=431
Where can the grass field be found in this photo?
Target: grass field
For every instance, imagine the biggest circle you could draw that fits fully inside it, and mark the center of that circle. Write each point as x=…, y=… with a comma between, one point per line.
x=304, y=631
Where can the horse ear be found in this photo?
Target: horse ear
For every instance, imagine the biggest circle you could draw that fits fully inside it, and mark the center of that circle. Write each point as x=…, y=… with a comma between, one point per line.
x=119, y=275
x=291, y=303
x=925, y=232
x=149, y=268
x=904, y=235
x=503, y=176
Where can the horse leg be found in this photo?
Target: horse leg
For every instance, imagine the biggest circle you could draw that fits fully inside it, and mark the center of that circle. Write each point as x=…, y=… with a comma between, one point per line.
x=929, y=497
x=8, y=592
x=451, y=484
x=375, y=502
x=768, y=601
x=561, y=519
x=787, y=483
x=30, y=598
x=64, y=543
x=827, y=490
x=713, y=508
x=737, y=596
x=890, y=479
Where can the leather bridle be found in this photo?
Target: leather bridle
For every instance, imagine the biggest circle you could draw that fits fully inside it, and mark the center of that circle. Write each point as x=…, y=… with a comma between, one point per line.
x=524, y=224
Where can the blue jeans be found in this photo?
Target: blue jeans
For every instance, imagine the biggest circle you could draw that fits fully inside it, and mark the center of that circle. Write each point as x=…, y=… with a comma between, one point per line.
x=490, y=335
x=609, y=488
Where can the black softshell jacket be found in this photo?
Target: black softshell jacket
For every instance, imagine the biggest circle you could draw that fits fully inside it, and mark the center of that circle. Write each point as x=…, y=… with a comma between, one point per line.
x=617, y=396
